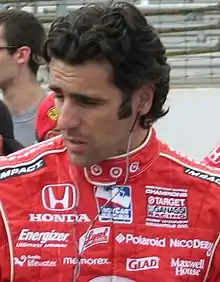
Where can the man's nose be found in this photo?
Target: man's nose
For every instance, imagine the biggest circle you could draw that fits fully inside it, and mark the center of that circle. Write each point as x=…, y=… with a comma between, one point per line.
x=68, y=116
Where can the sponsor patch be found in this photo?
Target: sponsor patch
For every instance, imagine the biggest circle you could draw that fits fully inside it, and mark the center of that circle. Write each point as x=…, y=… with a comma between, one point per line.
x=95, y=236
x=21, y=169
x=140, y=264
x=129, y=238
x=166, y=207
x=33, y=261
x=203, y=175
x=87, y=261
x=114, y=203
x=187, y=267
x=47, y=239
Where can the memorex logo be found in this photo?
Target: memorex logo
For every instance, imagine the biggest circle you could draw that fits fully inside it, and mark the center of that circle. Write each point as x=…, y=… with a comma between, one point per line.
x=192, y=244
x=94, y=237
x=47, y=217
x=187, y=267
x=140, y=264
x=28, y=238
x=88, y=261
x=140, y=240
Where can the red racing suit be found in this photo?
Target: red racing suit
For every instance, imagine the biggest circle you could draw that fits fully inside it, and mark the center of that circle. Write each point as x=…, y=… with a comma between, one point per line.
x=60, y=223
x=213, y=158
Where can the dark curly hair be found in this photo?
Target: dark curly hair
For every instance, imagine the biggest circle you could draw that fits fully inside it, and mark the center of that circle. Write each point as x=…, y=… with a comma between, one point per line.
x=120, y=34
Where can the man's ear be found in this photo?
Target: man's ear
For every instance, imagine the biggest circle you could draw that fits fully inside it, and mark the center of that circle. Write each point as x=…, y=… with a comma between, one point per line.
x=22, y=55
x=145, y=97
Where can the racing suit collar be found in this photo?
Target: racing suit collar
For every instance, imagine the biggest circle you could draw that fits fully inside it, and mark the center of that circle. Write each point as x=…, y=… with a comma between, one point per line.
x=113, y=170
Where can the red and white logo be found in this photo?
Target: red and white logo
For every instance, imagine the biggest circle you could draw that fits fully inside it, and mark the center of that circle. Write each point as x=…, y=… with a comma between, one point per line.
x=140, y=264
x=59, y=197
x=214, y=156
x=94, y=237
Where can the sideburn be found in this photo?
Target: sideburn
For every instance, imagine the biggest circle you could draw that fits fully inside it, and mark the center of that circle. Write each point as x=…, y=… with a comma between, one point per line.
x=125, y=109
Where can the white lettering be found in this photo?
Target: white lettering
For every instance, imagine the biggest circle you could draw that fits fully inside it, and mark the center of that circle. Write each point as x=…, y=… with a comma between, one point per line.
x=138, y=264
x=47, y=217
x=42, y=237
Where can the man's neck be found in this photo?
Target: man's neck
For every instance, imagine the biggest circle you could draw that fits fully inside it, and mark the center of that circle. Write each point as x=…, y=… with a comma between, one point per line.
x=23, y=95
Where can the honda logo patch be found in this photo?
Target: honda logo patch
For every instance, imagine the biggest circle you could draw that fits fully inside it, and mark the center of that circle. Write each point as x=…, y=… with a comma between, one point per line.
x=59, y=197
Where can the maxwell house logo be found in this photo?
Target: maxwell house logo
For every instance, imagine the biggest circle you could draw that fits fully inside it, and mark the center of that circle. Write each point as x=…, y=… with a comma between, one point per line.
x=114, y=203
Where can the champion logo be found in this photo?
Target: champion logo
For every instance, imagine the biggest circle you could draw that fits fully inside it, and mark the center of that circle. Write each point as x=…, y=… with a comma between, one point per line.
x=94, y=237
x=120, y=238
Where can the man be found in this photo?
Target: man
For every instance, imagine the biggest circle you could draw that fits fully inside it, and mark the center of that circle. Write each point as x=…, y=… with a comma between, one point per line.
x=108, y=201
x=46, y=120
x=213, y=158
x=21, y=40
x=8, y=144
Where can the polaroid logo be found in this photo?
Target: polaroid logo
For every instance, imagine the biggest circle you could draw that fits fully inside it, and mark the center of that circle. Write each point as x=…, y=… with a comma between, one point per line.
x=204, y=176
x=21, y=170
x=141, y=264
x=141, y=240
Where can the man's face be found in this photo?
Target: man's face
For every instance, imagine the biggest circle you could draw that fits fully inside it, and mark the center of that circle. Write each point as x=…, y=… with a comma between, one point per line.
x=88, y=104
x=8, y=66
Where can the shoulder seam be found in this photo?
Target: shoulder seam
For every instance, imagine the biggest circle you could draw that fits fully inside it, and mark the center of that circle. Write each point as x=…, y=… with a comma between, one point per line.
x=43, y=154
x=184, y=164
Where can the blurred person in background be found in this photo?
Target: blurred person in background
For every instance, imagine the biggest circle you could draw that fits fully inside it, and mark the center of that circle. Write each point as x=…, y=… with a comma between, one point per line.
x=8, y=143
x=21, y=40
x=46, y=120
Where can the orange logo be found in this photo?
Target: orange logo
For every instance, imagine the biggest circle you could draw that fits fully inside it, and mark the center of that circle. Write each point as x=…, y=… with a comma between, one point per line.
x=53, y=113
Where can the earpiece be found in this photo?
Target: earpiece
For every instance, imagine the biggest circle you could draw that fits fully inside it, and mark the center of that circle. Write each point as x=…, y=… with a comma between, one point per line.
x=142, y=102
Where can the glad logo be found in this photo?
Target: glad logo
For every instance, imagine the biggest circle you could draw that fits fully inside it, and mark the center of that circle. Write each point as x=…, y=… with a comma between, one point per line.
x=140, y=264
x=94, y=237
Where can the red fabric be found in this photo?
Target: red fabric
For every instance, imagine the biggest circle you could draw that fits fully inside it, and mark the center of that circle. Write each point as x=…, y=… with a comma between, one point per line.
x=166, y=217
x=47, y=116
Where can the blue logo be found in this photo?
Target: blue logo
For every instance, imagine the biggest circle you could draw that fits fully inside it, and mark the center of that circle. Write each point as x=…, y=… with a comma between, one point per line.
x=114, y=203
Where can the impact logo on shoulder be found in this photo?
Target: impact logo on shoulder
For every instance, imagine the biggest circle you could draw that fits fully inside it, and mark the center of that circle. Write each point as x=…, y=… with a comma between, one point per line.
x=114, y=203
x=22, y=169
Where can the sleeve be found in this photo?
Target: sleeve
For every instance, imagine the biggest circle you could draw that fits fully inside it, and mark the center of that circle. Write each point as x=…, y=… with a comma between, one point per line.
x=4, y=254
x=213, y=158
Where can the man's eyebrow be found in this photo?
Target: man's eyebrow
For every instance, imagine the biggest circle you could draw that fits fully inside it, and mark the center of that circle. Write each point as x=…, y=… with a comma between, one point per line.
x=78, y=96
x=83, y=97
x=55, y=88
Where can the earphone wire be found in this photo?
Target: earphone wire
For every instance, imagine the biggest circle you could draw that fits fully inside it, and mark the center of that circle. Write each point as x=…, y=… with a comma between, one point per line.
x=77, y=268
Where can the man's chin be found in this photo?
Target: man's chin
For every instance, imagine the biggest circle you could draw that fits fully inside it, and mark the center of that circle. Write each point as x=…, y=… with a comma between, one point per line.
x=80, y=160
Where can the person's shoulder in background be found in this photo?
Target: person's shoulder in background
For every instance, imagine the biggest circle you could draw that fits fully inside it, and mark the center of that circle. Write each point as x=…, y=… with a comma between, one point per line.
x=8, y=143
x=46, y=119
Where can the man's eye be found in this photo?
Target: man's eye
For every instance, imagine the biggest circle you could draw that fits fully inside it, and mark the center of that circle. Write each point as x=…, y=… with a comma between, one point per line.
x=85, y=102
x=59, y=97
